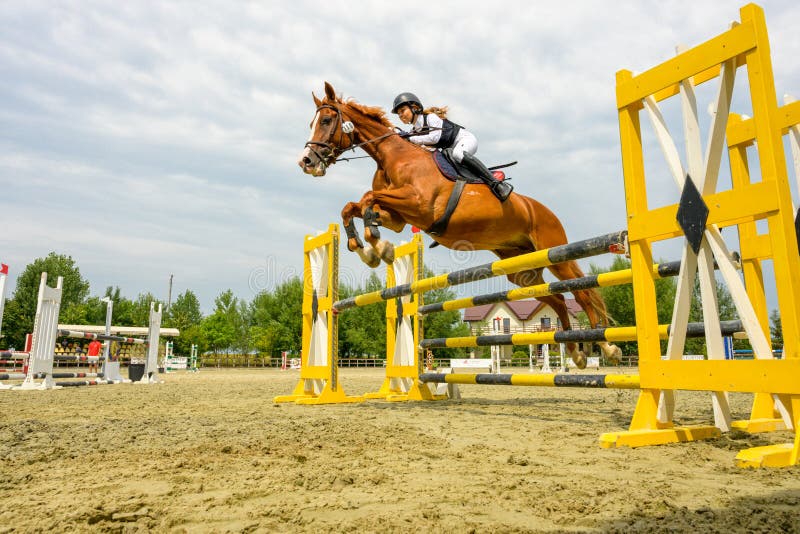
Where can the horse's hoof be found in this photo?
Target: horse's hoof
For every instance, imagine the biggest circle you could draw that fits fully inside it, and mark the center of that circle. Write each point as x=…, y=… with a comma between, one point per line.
x=386, y=252
x=352, y=245
x=616, y=355
x=579, y=360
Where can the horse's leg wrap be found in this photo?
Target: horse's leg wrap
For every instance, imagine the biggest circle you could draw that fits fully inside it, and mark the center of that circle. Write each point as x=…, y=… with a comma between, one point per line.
x=350, y=231
x=371, y=223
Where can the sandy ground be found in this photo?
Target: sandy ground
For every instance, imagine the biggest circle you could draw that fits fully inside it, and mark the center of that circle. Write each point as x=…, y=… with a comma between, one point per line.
x=210, y=452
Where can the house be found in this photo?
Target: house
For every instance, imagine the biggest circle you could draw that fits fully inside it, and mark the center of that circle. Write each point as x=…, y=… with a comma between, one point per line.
x=517, y=317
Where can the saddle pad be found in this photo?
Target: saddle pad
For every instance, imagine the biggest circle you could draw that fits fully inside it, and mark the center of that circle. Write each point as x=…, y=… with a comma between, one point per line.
x=449, y=171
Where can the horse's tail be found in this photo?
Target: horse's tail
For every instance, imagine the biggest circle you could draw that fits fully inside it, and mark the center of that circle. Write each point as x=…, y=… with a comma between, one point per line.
x=599, y=305
x=594, y=299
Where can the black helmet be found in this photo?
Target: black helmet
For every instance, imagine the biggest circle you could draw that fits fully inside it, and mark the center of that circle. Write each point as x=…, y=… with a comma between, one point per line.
x=406, y=98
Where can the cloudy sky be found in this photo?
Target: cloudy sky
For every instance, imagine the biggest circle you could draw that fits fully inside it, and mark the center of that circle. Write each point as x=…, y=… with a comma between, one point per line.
x=153, y=138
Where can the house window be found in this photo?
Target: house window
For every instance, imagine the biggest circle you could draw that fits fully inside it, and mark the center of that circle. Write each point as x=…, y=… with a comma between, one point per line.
x=496, y=324
x=545, y=323
x=506, y=325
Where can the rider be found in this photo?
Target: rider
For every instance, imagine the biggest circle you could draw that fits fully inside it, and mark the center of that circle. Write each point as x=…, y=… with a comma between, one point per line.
x=431, y=128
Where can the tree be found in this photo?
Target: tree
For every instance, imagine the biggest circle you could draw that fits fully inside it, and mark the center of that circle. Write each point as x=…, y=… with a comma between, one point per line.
x=23, y=305
x=75, y=288
x=776, y=329
x=281, y=313
x=15, y=326
x=620, y=305
x=444, y=324
x=185, y=315
x=218, y=332
x=362, y=330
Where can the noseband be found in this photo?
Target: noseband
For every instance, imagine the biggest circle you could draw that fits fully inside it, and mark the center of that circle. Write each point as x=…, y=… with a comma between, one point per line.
x=326, y=151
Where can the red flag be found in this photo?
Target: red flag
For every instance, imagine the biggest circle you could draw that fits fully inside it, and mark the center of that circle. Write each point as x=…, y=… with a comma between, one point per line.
x=3, y=268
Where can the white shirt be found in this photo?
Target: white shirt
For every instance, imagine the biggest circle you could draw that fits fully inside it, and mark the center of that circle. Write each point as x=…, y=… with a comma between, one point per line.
x=432, y=137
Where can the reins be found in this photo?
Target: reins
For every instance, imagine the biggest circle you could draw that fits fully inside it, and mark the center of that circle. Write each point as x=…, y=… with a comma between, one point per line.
x=334, y=151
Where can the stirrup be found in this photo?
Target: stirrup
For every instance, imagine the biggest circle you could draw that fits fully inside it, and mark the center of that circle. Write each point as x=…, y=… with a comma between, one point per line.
x=501, y=190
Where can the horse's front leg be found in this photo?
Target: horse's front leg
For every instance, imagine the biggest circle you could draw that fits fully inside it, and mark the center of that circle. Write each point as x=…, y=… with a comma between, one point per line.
x=374, y=216
x=367, y=253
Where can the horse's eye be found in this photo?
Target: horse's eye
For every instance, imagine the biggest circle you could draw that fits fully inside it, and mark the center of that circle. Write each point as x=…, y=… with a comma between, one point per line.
x=326, y=121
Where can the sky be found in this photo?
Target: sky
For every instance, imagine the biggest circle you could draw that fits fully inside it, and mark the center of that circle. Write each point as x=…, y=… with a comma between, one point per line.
x=149, y=139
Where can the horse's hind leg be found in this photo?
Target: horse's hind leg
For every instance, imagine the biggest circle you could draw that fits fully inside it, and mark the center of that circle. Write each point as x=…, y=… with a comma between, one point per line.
x=556, y=302
x=592, y=303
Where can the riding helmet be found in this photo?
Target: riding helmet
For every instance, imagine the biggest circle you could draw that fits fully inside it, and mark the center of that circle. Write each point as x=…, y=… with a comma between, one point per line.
x=406, y=98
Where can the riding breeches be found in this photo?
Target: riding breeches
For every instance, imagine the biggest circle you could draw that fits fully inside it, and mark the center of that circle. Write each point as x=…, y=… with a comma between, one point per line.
x=465, y=142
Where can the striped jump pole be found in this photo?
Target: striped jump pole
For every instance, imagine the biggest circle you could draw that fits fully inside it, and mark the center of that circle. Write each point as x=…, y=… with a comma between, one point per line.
x=532, y=260
x=610, y=334
x=13, y=355
x=73, y=375
x=76, y=358
x=11, y=376
x=610, y=381
x=614, y=278
x=80, y=383
x=101, y=337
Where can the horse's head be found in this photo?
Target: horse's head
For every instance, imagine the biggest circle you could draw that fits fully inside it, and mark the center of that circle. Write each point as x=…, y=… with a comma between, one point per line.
x=331, y=134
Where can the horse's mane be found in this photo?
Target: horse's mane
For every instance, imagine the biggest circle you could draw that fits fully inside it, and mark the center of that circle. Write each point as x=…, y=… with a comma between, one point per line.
x=373, y=112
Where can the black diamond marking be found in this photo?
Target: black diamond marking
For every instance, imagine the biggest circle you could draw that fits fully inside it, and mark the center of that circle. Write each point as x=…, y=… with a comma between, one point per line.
x=399, y=305
x=314, y=306
x=797, y=227
x=692, y=214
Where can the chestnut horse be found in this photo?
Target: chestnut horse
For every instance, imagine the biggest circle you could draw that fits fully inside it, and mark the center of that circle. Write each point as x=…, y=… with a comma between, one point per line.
x=408, y=188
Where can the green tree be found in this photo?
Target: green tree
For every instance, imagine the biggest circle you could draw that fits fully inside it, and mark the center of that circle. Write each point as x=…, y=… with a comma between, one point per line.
x=444, y=324
x=218, y=332
x=726, y=312
x=90, y=312
x=281, y=313
x=362, y=330
x=15, y=326
x=775, y=329
x=75, y=289
x=619, y=300
x=185, y=315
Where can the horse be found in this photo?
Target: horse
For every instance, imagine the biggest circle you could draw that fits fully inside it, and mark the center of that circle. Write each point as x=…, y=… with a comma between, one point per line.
x=408, y=188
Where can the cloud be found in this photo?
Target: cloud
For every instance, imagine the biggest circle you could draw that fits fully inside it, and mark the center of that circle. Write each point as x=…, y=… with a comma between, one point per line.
x=153, y=138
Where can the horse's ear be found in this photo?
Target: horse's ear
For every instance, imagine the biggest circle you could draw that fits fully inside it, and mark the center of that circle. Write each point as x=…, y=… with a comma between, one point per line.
x=329, y=92
x=317, y=101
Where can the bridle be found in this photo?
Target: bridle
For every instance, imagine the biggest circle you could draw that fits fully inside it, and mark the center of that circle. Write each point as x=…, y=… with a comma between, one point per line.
x=328, y=152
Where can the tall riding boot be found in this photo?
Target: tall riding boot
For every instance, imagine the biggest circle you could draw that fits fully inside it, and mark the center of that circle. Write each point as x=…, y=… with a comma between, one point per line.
x=501, y=189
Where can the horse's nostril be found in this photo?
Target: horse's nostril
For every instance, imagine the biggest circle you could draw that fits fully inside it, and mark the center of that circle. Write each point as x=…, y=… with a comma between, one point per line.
x=307, y=160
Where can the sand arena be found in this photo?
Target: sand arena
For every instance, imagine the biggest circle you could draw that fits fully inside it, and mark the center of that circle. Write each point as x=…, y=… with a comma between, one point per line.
x=210, y=452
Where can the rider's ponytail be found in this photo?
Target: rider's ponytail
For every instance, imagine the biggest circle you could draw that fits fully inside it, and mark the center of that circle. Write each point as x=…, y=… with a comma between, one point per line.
x=440, y=112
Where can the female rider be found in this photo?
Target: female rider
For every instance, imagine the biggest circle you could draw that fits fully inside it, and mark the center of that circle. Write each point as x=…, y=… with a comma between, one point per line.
x=431, y=128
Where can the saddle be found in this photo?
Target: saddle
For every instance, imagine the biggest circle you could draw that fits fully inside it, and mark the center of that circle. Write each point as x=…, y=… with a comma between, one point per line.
x=453, y=170
x=461, y=175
